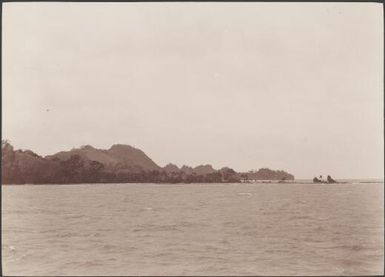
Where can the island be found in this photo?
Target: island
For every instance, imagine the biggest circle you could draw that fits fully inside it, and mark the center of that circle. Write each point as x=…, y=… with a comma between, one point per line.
x=118, y=164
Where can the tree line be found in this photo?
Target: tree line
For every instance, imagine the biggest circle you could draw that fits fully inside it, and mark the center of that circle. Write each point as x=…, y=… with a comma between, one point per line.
x=26, y=167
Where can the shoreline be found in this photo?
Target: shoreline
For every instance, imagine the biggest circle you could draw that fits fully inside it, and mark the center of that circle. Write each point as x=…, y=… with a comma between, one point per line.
x=299, y=182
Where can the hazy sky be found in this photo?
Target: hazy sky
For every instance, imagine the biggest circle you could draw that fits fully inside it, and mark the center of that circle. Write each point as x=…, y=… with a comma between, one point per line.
x=288, y=86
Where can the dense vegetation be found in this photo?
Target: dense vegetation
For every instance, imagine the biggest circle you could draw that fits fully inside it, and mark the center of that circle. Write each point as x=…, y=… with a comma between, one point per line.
x=267, y=174
x=119, y=164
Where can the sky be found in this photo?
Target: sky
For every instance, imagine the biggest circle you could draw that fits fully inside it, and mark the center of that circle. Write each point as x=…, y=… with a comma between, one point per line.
x=289, y=86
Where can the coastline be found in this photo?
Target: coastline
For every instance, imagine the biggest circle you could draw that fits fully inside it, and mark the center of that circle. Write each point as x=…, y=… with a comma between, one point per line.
x=258, y=182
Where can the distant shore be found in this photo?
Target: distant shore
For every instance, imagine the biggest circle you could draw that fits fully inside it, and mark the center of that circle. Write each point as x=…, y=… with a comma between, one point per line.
x=118, y=164
x=258, y=182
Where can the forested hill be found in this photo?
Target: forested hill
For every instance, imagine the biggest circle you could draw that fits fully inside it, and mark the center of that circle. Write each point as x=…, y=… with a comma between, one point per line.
x=118, y=156
x=118, y=164
x=267, y=174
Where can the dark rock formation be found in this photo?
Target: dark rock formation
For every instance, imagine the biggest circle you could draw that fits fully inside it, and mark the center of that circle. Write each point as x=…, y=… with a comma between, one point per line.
x=330, y=180
x=316, y=180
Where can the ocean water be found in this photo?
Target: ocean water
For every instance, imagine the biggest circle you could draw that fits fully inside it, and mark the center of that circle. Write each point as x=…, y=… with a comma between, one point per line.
x=193, y=229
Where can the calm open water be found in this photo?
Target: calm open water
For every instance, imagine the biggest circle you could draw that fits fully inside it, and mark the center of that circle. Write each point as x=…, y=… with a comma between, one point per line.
x=206, y=229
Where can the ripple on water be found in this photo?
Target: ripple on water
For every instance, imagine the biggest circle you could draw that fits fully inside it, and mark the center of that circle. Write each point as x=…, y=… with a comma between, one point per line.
x=195, y=230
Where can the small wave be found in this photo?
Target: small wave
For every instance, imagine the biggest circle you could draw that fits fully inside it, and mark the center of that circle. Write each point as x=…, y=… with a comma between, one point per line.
x=108, y=247
x=248, y=194
x=347, y=247
x=92, y=263
x=74, y=216
x=96, y=235
x=18, y=258
x=298, y=217
x=277, y=251
x=66, y=235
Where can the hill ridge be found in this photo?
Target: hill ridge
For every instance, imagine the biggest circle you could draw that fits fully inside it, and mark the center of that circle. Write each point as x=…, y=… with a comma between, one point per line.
x=120, y=163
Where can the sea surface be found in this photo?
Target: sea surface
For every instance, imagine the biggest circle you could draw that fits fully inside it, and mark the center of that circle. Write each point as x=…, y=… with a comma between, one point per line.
x=193, y=229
